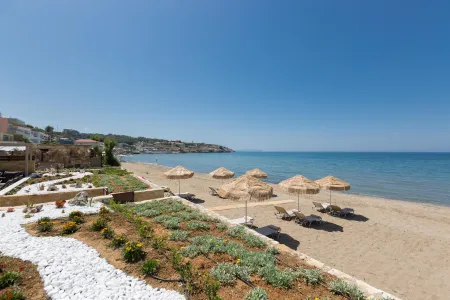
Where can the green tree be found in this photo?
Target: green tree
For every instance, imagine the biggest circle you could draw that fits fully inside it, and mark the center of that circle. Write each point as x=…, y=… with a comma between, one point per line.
x=25, y=139
x=97, y=137
x=49, y=130
x=110, y=159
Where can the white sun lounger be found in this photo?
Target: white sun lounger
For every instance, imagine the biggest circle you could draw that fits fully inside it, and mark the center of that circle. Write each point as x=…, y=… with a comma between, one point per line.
x=241, y=221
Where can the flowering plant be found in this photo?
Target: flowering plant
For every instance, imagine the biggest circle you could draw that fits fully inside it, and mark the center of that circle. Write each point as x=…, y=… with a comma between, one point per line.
x=118, y=241
x=44, y=224
x=11, y=294
x=76, y=216
x=10, y=209
x=69, y=228
x=107, y=233
x=60, y=203
x=133, y=252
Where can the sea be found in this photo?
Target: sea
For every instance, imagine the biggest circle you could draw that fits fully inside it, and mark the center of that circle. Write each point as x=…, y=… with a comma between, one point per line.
x=416, y=177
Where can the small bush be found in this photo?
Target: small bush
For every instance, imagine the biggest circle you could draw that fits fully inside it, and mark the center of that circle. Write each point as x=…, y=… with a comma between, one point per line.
x=118, y=241
x=151, y=213
x=257, y=294
x=104, y=211
x=250, y=239
x=226, y=273
x=76, y=216
x=341, y=287
x=107, y=233
x=150, y=267
x=276, y=277
x=168, y=221
x=44, y=224
x=310, y=276
x=212, y=288
x=11, y=294
x=272, y=250
x=144, y=230
x=178, y=235
x=69, y=228
x=197, y=226
x=222, y=226
x=8, y=279
x=133, y=252
x=159, y=243
x=99, y=224
x=256, y=260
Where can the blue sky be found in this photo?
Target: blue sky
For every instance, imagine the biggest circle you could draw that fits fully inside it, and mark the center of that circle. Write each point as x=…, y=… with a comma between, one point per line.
x=271, y=75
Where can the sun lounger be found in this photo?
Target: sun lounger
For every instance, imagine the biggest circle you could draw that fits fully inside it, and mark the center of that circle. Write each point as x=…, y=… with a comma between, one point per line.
x=306, y=220
x=282, y=213
x=344, y=212
x=214, y=192
x=241, y=221
x=321, y=207
x=269, y=231
x=187, y=196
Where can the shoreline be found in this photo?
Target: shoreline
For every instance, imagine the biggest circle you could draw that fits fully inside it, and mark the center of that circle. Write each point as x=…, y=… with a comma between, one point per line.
x=347, y=193
x=398, y=246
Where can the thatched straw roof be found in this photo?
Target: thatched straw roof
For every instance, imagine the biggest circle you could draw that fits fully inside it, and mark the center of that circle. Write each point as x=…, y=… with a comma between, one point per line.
x=300, y=185
x=179, y=172
x=257, y=173
x=222, y=173
x=245, y=186
x=333, y=183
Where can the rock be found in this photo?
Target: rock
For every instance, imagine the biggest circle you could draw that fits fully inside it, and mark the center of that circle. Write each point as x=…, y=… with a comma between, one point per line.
x=52, y=188
x=78, y=185
x=39, y=207
x=80, y=199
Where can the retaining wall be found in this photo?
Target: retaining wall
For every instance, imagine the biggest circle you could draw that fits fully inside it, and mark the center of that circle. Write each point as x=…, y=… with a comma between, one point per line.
x=17, y=200
x=17, y=166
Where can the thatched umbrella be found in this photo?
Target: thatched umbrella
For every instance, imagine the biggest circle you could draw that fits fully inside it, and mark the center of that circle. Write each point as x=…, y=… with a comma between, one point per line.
x=179, y=173
x=246, y=188
x=257, y=173
x=332, y=183
x=300, y=185
x=222, y=173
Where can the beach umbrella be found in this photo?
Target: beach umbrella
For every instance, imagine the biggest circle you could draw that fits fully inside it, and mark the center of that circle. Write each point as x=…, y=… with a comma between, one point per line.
x=222, y=174
x=257, y=173
x=300, y=185
x=179, y=173
x=332, y=183
x=246, y=188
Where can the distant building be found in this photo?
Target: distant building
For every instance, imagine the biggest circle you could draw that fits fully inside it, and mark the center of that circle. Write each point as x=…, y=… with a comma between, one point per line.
x=6, y=137
x=65, y=141
x=36, y=137
x=88, y=142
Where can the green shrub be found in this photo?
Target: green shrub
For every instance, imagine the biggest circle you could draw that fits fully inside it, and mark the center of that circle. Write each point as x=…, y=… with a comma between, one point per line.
x=250, y=239
x=76, y=216
x=168, y=221
x=159, y=243
x=226, y=273
x=222, y=226
x=272, y=250
x=276, y=277
x=257, y=294
x=8, y=279
x=150, y=267
x=107, y=233
x=341, y=287
x=151, y=213
x=118, y=241
x=310, y=276
x=144, y=230
x=11, y=294
x=44, y=224
x=178, y=235
x=99, y=224
x=256, y=260
x=69, y=228
x=212, y=288
x=197, y=226
x=133, y=252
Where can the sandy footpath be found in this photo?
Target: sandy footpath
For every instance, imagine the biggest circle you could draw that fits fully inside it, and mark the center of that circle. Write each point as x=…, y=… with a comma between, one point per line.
x=397, y=246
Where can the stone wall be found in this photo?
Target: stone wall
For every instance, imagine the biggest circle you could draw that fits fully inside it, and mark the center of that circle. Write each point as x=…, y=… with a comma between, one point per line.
x=17, y=200
x=17, y=166
x=148, y=194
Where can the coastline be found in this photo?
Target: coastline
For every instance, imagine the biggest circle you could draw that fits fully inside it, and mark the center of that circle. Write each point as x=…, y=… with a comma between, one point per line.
x=396, y=245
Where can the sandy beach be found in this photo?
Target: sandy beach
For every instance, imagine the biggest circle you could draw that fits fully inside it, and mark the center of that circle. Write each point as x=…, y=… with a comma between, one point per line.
x=400, y=247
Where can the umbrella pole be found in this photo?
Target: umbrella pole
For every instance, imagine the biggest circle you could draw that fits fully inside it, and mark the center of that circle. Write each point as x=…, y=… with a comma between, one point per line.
x=245, y=211
x=330, y=197
x=298, y=201
x=179, y=186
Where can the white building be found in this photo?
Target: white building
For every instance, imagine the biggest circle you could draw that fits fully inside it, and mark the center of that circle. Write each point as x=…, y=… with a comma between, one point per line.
x=89, y=142
x=36, y=137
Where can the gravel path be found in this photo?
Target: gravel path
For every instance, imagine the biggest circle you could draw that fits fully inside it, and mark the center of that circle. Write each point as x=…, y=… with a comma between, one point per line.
x=34, y=188
x=69, y=268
